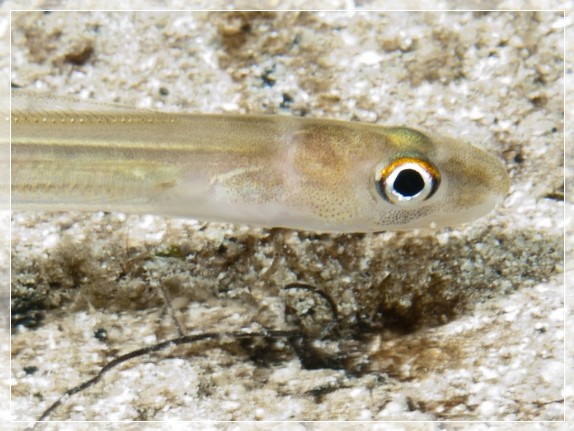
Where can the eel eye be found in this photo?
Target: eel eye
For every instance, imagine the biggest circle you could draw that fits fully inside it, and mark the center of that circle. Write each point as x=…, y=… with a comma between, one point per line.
x=407, y=181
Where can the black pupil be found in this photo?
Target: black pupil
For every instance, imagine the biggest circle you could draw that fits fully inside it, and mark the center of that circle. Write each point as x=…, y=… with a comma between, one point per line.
x=409, y=183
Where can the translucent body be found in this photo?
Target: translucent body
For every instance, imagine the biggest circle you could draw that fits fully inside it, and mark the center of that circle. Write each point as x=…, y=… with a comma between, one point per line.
x=272, y=171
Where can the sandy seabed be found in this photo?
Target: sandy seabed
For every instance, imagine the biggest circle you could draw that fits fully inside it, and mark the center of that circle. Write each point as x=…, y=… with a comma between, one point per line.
x=456, y=324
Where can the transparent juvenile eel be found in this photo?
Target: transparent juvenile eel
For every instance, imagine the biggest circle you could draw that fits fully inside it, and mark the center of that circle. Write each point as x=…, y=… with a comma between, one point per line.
x=262, y=170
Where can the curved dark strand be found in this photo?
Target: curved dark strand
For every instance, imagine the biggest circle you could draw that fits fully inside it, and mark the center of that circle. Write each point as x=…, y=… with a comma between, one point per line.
x=318, y=291
x=187, y=339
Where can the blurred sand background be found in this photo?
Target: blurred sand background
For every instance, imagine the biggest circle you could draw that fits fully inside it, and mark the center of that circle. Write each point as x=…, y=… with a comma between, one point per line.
x=459, y=324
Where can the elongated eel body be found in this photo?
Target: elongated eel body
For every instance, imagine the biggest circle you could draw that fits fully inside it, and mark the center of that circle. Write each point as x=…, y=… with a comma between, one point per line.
x=271, y=171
